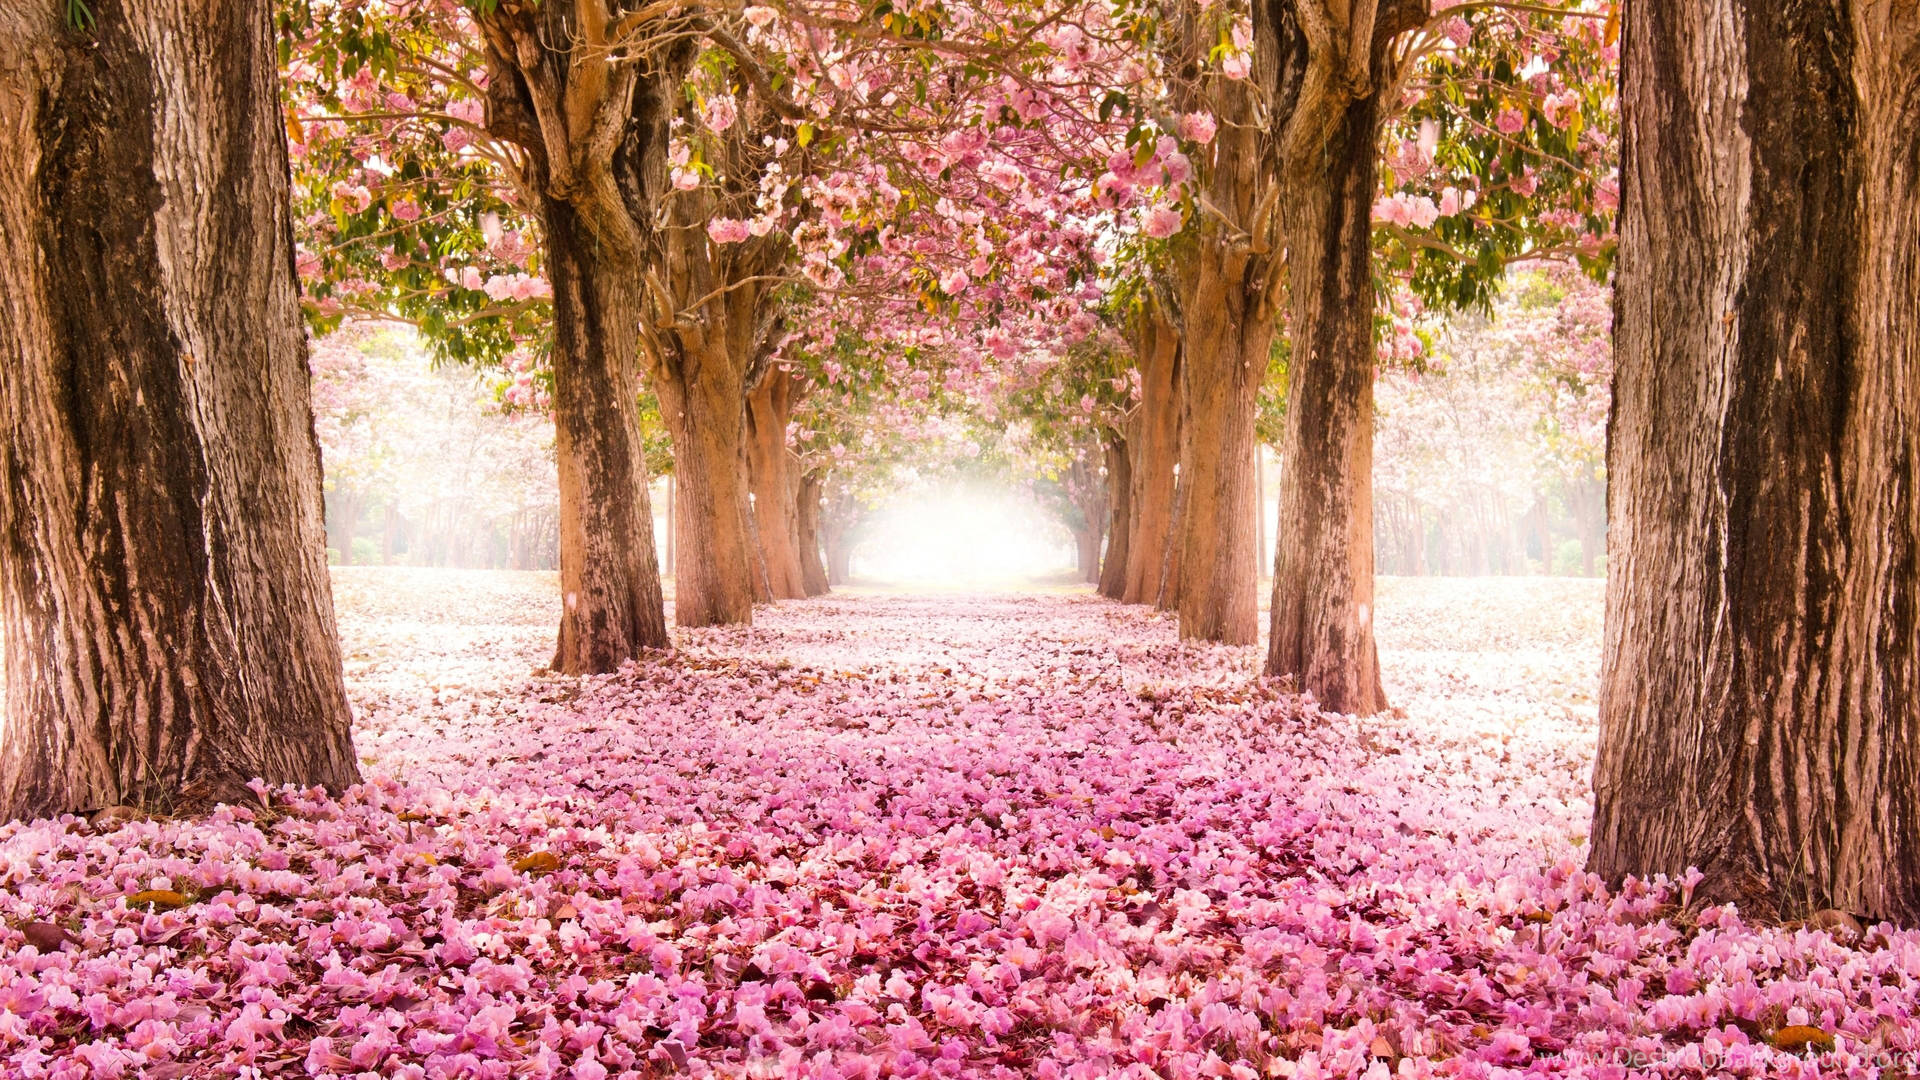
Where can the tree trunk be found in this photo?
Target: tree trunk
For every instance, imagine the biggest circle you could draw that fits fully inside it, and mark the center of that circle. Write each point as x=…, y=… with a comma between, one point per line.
x=163, y=585
x=609, y=579
x=346, y=513
x=1588, y=498
x=668, y=565
x=839, y=556
x=1221, y=372
x=1153, y=438
x=1113, y=568
x=1086, y=553
x=1264, y=548
x=705, y=409
x=1542, y=535
x=1760, y=704
x=776, y=518
x=1167, y=592
x=1085, y=510
x=389, y=531
x=813, y=570
x=756, y=558
x=1322, y=617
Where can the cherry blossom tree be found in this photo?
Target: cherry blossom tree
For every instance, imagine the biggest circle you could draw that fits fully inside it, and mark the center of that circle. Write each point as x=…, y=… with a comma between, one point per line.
x=1494, y=440
x=741, y=145
x=1272, y=159
x=457, y=474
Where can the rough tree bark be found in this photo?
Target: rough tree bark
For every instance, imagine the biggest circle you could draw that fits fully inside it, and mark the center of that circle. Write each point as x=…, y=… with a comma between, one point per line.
x=666, y=566
x=1113, y=567
x=612, y=605
x=1226, y=287
x=590, y=88
x=704, y=405
x=701, y=360
x=813, y=568
x=1322, y=612
x=1153, y=441
x=1331, y=90
x=594, y=132
x=710, y=328
x=1760, y=703
x=1221, y=375
x=770, y=472
x=1167, y=592
x=163, y=586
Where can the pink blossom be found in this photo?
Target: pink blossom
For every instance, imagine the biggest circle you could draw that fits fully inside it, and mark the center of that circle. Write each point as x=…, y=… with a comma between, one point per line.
x=356, y=197
x=727, y=230
x=719, y=112
x=1393, y=210
x=1161, y=221
x=471, y=110
x=1198, y=127
x=1561, y=108
x=1607, y=192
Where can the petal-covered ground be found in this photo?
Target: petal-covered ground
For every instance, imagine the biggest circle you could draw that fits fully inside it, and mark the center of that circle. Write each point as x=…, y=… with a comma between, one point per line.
x=885, y=835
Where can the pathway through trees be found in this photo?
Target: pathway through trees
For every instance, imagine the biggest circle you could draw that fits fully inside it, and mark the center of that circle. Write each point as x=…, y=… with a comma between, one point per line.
x=881, y=834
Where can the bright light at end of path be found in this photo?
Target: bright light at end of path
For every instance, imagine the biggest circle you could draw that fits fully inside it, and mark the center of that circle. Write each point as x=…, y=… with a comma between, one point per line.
x=965, y=538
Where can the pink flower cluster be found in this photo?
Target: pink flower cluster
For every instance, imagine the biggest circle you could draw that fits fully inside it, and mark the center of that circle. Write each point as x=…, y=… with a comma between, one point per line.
x=896, y=836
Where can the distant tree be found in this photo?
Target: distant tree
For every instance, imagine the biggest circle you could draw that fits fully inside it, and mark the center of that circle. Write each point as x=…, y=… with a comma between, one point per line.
x=460, y=474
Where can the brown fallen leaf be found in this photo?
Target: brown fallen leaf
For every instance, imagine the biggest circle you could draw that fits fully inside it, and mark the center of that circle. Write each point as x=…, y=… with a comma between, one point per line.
x=540, y=862
x=157, y=899
x=1797, y=1037
x=45, y=936
x=115, y=816
x=1839, y=923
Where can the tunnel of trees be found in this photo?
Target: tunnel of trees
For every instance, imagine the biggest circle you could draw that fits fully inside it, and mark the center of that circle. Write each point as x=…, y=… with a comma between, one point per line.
x=1315, y=289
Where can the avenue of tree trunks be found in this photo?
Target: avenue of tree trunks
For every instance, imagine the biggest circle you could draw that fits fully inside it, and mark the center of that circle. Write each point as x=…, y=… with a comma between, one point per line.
x=1197, y=277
